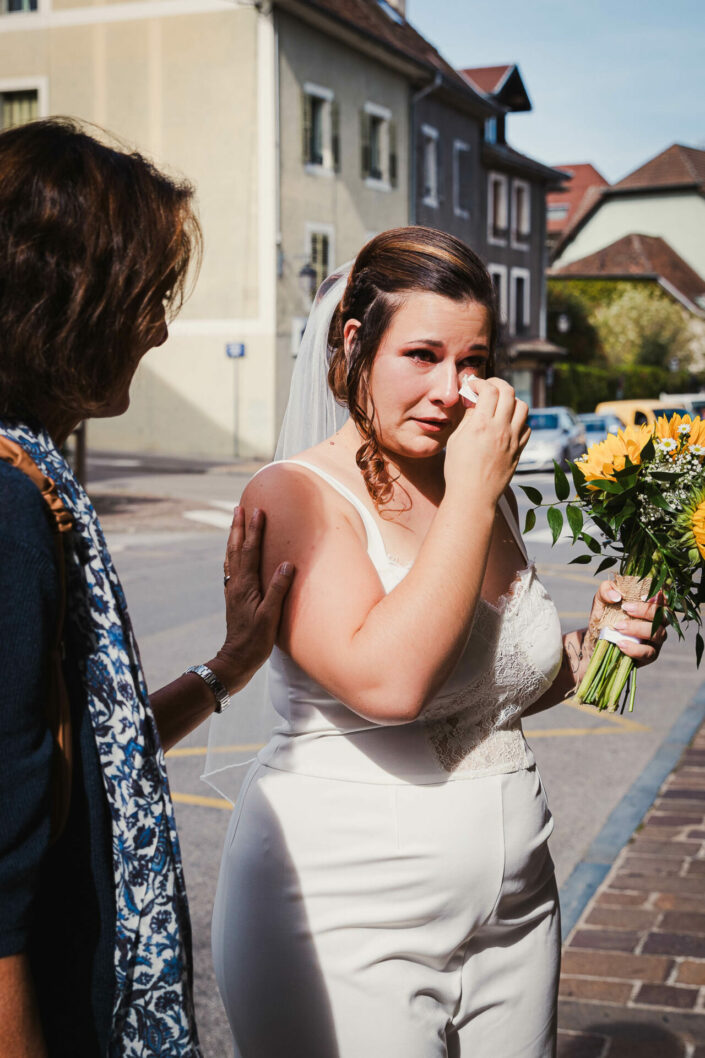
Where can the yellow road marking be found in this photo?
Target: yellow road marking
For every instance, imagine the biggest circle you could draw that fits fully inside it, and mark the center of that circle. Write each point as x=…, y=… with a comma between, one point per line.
x=200, y=751
x=613, y=718
x=557, y=732
x=557, y=570
x=204, y=802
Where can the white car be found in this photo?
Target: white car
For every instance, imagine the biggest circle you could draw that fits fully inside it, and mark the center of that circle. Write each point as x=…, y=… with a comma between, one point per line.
x=556, y=434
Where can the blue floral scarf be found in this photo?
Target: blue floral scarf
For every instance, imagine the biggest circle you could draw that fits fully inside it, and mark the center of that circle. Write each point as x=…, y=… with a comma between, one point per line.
x=153, y=1008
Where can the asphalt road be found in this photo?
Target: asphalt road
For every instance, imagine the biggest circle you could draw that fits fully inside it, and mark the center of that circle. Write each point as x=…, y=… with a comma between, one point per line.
x=166, y=526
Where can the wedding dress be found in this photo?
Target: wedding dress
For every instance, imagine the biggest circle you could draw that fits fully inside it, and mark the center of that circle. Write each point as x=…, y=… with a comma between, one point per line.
x=387, y=891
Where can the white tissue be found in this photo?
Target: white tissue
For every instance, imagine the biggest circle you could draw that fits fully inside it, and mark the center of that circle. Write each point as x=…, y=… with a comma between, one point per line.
x=465, y=390
x=613, y=636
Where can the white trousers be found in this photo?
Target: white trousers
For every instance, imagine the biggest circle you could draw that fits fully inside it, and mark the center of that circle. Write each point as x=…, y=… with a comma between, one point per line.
x=356, y=920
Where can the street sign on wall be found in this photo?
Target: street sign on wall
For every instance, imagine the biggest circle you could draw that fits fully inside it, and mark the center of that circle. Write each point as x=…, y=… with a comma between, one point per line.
x=234, y=350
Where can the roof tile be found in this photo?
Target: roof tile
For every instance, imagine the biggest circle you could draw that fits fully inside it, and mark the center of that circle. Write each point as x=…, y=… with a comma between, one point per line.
x=677, y=165
x=639, y=256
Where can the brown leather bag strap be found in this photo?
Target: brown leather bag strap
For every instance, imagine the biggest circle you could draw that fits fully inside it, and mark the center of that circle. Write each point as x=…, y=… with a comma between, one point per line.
x=57, y=709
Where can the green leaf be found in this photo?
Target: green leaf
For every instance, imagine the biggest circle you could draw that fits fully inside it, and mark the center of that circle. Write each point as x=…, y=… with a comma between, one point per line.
x=606, y=563
x=532, y=494
x=699, y=645
x=580, y=560
x=659, y=500
x=591, y=543
x=578, y=477
x=560, y=482
x=555, y=522
x=626, y=512
x=606, y=485
x=530, y=520
x=575, y=520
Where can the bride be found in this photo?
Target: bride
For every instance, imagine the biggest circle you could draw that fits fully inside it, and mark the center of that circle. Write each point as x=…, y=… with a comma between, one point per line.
x=386, y=889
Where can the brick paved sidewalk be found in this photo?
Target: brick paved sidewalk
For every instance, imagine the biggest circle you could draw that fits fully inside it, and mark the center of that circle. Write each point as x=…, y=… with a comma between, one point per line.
x=633, y=980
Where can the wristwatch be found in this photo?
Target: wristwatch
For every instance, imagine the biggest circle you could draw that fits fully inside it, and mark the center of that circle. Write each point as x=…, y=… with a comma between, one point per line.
x=222, y=698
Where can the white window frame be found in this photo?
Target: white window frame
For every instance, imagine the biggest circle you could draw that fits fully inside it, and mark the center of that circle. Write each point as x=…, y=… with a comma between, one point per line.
x=520, y=240
x=326, y=168
x=459, y=146
x=525, y=274
x=27, y=84
x=501, y=271
x=376, y=110
x=500, y=179
x=430, y=135
x=552, y=209
x=314, y=228
x=42, y=8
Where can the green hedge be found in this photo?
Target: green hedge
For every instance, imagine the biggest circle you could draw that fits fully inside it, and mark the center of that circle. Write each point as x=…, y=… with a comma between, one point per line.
x=582, y=386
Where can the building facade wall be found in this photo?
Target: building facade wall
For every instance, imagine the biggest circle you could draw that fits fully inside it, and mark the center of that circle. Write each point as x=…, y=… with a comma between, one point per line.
x=464, y=220
x=184, y=89
x=341, y=203
x=678, y=217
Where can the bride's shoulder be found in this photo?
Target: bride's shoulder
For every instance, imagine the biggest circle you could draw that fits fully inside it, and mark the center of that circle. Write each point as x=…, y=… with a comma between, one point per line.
x=289, y=484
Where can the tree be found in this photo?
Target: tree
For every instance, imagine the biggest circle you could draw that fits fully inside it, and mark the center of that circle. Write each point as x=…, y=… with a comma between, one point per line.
x=643, y=325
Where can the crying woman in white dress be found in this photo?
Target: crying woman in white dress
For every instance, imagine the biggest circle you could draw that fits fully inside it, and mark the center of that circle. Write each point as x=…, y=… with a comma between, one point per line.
x=386, y=889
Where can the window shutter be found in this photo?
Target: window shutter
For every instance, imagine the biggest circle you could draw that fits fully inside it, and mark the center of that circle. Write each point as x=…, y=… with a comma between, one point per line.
x=464, y=180
x=393, y=156
x=440, y=177
x=335, y=134
x=503, y=192
x=306, y=125
x=364, y=144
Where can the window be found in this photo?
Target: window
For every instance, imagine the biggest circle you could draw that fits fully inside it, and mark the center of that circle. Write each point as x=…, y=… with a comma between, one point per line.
x=557, y=211
x=490, y=130
x=17, y=107
x=497, y=212
x=429, y=142
x=520, y=312
x=319, y=250
x=462, y=179
x=321, y=130
x=8, y=7
x=378, y=147
x=521, y=214
x=499, y=278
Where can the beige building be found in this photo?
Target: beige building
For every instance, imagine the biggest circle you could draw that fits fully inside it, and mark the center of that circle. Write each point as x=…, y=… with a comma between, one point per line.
x=264, y=113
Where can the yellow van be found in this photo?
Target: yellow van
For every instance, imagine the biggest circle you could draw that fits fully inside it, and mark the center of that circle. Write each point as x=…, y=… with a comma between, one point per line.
x=638, y=412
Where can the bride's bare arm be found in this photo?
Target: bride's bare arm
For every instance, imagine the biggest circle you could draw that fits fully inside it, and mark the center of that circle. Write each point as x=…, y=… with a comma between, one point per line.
x=383, y=655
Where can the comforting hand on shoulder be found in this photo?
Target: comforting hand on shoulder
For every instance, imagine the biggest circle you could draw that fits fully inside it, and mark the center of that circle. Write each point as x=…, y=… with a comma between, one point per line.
x=251, y=616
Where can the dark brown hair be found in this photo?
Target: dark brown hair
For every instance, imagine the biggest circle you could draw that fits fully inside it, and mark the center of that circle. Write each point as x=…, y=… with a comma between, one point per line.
x=93, y=241
x=391, y=265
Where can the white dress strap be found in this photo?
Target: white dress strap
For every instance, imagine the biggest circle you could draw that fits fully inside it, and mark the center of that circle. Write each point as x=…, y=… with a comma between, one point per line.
x=513, y=525
x=375, y=544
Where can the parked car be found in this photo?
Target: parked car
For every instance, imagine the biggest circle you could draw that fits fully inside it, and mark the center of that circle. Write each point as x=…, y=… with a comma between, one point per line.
x=639, y=412
x=556, y=434
x=598, y=426
x=694, y=403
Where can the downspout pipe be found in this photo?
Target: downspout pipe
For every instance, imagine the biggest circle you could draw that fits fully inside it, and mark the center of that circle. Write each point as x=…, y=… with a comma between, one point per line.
x=433, y=86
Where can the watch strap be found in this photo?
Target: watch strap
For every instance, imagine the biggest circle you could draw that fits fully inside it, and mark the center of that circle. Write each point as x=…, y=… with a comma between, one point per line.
x=222, y=698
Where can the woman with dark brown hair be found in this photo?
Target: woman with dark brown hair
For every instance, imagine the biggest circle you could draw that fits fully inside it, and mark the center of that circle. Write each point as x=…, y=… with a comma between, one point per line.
x=386, y=888
x=95, y=246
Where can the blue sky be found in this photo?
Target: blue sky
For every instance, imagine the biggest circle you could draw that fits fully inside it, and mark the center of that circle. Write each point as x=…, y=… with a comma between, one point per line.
x=612, y=82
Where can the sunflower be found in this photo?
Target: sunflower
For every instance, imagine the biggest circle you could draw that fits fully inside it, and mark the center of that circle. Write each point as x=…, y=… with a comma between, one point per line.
x=692, y=521
x=604, y=458
x=681, y=427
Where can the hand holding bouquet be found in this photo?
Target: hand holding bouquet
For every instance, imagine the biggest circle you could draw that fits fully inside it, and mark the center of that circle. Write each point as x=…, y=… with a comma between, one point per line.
x=644, y=490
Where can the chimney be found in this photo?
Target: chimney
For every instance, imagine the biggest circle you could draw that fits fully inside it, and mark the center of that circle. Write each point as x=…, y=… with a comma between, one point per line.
x=398, y=5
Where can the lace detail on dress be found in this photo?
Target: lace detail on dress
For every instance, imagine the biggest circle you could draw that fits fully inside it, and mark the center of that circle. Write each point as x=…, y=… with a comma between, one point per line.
x=478, y=728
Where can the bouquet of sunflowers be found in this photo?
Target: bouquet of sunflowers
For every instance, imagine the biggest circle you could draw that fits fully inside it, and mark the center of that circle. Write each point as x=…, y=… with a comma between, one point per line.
x=643, y=489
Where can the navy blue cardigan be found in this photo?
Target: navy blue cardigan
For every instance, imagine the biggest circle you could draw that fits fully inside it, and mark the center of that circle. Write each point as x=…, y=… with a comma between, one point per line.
x=56, y=903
